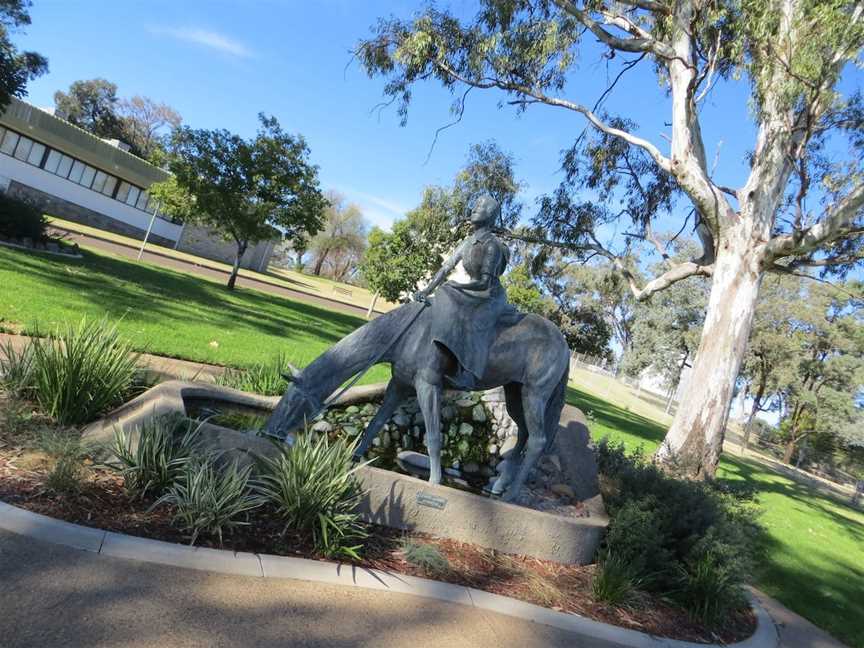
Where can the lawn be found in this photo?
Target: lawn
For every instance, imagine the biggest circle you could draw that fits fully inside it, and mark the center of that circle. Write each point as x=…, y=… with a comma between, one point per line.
x=166, y=312
x=813, y=545
x=318, y=286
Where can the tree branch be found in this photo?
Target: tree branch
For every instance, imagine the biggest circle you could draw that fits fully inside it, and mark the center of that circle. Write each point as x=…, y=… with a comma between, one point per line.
x=641, y=43
x=842, y=220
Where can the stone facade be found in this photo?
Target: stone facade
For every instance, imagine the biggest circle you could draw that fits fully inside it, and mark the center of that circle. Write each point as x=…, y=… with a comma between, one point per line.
x=206, y=243
x=61, y=208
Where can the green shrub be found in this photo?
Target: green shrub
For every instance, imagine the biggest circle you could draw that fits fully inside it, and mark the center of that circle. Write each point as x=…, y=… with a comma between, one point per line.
x=67, y=454
x=691, y=541
x=82, y=371
x=614, y=582
x=313, y=488
x=210, y=499
x=16, y=368
x=165, y=445
x=425, y=556
x=20, y=219
x=262, y=378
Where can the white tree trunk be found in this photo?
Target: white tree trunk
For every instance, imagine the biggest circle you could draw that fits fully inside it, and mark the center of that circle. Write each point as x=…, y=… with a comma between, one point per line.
x=695, y=439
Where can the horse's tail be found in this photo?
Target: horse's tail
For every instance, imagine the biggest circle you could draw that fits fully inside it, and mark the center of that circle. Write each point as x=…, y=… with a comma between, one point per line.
x=553, y=410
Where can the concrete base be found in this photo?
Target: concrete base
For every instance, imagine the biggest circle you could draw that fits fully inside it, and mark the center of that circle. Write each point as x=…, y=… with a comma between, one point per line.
x=393, y=500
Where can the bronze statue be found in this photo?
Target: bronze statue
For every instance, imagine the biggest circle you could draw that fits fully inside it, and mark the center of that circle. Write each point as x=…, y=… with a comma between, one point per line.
x=463, y=335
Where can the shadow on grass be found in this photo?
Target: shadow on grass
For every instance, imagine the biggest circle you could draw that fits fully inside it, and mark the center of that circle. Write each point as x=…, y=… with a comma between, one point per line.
x=618, y=419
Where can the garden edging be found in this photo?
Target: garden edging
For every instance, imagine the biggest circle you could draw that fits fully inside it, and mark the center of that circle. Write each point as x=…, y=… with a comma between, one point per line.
x=117, y=545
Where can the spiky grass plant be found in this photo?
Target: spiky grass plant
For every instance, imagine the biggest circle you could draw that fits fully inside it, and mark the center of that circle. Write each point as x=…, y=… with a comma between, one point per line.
x=614, y=582
x=709, y=590
x=425, y=556
x=313, y=488
x=67, y=454
x=211, y=499
x=262, y=378
x=154, y=464
x=82, y=371
x=16, y=368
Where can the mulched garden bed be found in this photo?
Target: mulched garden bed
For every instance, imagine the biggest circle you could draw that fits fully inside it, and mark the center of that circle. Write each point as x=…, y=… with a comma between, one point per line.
x=102, y=502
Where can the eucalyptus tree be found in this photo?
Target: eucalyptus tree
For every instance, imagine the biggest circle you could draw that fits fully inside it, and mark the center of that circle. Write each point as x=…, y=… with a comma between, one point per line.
x=342, y=240
x=16, y=67
x=249, y=190
x=798, y=206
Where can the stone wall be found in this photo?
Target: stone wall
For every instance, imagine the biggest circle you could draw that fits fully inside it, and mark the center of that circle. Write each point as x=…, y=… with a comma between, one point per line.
x=207, y=243
x=54, y=206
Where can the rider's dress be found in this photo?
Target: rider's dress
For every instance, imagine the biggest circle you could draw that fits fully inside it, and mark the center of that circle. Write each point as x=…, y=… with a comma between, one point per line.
x=465, y=321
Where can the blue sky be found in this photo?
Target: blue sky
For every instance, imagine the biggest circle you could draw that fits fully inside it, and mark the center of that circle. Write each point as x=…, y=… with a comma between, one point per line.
x=220, y=63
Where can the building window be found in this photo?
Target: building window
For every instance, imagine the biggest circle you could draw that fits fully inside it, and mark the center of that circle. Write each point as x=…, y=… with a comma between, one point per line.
x=36, y=154
x=87, y=176
x=142, y=200
x=99, y=181
x=10, y=139
x=23, y=148
x=132, y=198
x=64, y=166
x=110, y=183
x=123, y=191
x=77, y=170
x=52, y=161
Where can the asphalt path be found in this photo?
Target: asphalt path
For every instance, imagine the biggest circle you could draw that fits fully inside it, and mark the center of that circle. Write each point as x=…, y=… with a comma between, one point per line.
x=164, y=261
x=53, y=596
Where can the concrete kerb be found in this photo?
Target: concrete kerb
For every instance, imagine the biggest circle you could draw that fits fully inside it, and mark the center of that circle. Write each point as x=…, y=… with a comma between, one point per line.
x=118, y=545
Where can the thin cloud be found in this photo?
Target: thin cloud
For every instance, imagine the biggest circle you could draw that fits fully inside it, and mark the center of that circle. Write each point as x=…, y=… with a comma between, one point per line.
x=205, y=38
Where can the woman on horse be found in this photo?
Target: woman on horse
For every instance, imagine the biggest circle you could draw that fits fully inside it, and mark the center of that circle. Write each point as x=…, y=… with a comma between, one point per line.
x=465, y=316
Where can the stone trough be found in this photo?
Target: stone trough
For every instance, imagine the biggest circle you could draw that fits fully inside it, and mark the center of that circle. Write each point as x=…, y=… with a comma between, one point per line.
x=403, y=501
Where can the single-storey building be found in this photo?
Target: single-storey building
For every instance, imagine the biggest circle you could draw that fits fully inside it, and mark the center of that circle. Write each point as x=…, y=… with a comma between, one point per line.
x=72, y=174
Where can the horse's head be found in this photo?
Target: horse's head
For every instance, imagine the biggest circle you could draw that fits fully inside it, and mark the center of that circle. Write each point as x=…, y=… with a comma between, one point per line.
x=297, y=406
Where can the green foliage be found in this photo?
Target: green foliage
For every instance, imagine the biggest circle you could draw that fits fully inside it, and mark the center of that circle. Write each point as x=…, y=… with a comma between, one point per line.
x=396, y=262
x=20, y=219
x=211, y=499
x=247, y=188
x=261, y=378
x=613, y=583
x=313, y=488
x=338, y=248
x=81, y=371
x=173, y=200
x=67, y=454
x=690, y=540
x=16, y=368
x=16, y=68
x=165, y=445
x=425, y=556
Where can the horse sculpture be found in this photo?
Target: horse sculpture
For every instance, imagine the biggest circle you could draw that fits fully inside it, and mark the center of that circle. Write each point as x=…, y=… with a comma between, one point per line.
x=530, y=359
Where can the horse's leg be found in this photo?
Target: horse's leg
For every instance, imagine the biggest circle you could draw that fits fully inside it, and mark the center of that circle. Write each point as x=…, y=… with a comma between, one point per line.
x=396, y=392
x=534, y=407
x=513, y=398
x=429, y=398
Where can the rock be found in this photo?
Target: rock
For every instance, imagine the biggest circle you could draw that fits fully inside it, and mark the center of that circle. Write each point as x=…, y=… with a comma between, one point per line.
x=352, y=409
x=507, y=446
x=406, y=440
x=564, y=490
x=350, y=430
x=471, y=468
x=492, y=449
x=416, y=432
x=466, y=429
x=376, y=442
x=448, y=412
x=369, y=409
x=494, y=395
x=465, y=402
x=478, y=414
x=455, y=465
x=324, y=427
x=401, y=420
x=385, y=439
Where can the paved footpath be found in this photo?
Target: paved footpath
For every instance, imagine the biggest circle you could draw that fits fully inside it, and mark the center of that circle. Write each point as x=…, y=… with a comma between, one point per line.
x=53, y=596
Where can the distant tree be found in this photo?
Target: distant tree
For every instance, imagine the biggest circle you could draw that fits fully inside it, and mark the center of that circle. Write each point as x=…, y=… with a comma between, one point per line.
x=395, y=263
x=92, y=105
x=820, y=385
x=342, y=241
x=16, y=68
x=582, y=324
x=667, y=327
x=246, y=189
x=147, y=125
